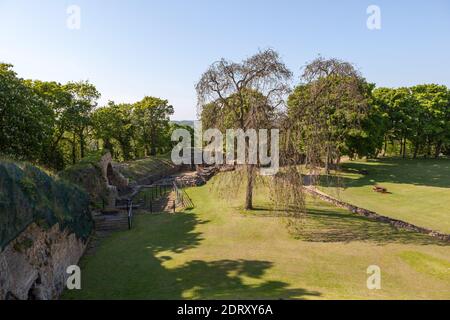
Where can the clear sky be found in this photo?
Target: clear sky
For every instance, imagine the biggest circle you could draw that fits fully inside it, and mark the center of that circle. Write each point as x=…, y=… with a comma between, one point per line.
x=133, y=48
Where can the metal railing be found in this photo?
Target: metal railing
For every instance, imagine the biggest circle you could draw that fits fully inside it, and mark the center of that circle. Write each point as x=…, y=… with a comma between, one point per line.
x=126, y=204
x=157, y=192
x=130, y=213
x=181, y=197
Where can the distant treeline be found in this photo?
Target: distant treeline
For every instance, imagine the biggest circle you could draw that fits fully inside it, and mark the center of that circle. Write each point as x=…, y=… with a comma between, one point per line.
x=413, y=121
x=333, y=112
x=55, y=124
x=408, y=121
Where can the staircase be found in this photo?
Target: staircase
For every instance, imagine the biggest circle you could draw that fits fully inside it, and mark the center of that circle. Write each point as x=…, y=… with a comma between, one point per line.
x=109, y=222
x=162, y=203
x=105, y=224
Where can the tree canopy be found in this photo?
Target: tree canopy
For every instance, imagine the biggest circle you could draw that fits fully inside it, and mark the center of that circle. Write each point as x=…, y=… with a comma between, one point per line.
x=55, y=124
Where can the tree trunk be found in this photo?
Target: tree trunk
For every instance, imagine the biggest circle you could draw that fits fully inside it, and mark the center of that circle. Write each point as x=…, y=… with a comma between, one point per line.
x=126, y=150
x=82, y=143
x=385, y=146
x=438, y=149
x=327, y=161
x=401, y=147
x=153, y=142
x=416, y=149
x=428, y=148
x=338, y=160
x=404, y=148
x=74, y=150
x=249, y=191
x=152, y=150
x=148, y=150
x=108, y=145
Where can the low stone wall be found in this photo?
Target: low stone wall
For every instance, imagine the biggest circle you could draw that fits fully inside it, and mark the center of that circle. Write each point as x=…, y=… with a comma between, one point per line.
x=373, y=215
x=33, y=266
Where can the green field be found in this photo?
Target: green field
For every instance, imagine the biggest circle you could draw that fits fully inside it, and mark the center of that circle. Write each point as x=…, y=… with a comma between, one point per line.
x=419, y=190
x=218, y=251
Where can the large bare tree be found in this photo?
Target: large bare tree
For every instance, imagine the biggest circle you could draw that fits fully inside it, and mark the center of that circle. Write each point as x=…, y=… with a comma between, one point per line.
x=245, y=95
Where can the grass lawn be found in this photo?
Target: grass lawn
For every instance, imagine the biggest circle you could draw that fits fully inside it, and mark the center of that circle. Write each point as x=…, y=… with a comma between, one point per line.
x=142, y=168
x=419, y=189
x=217, y=251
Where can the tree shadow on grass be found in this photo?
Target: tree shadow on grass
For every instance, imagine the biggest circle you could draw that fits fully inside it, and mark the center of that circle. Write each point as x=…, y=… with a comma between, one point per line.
x=174, y=232
x=218, y=279
x=224, y=279
x=137, y=264
x=337, y=225
x=326, y=226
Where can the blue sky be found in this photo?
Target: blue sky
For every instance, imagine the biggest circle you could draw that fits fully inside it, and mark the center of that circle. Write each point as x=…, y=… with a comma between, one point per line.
x=133, y=48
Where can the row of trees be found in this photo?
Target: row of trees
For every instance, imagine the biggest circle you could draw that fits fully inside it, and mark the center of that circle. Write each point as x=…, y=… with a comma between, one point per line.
x=416, y=120
x=349, y=116
x=333, y=112
x=57, y=124
x=135, y=130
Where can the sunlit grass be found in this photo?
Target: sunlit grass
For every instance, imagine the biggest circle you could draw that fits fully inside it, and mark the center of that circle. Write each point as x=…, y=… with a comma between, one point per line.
x=418, y=190
x=216, y=251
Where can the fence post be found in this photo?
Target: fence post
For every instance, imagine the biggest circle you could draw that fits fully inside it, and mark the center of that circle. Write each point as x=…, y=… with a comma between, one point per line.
x=129, y=213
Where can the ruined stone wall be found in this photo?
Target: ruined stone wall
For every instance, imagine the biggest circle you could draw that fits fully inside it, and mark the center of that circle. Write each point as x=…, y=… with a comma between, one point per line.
x=98, y=178
x=33, y=266
x=45, y=223
x=111, y=176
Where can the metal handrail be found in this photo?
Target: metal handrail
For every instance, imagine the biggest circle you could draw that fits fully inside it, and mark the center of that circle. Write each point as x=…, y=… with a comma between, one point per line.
x=130, y=213
x=182, y=197
x=158, y=191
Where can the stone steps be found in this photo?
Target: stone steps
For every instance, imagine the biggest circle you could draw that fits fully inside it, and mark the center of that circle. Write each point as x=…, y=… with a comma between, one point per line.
x=112, y=222
x=160, y=205
x=106, y=224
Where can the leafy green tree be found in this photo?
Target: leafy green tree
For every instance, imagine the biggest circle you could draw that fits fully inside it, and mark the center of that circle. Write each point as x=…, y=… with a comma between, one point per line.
x=84, y=100
x=367, y=139
x=26, y=120
x=115, y=121
x=327, y=107
x=168, y=144
x=434, y=101
x=151, y=118
x=418, y=115
x=59, y=100
x=399, y=108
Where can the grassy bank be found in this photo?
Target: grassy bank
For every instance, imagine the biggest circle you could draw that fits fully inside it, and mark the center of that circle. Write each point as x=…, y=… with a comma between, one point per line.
x=143, y=168
x=218, y=251
x=418, y=190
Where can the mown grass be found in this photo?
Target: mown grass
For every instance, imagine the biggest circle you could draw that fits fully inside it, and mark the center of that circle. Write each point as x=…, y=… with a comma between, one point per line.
x=418, y=190
x=143, y=168
x=219, y=251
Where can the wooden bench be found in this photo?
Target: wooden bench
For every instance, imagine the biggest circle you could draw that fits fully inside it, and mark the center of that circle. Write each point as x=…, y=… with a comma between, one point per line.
x=380, y=189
